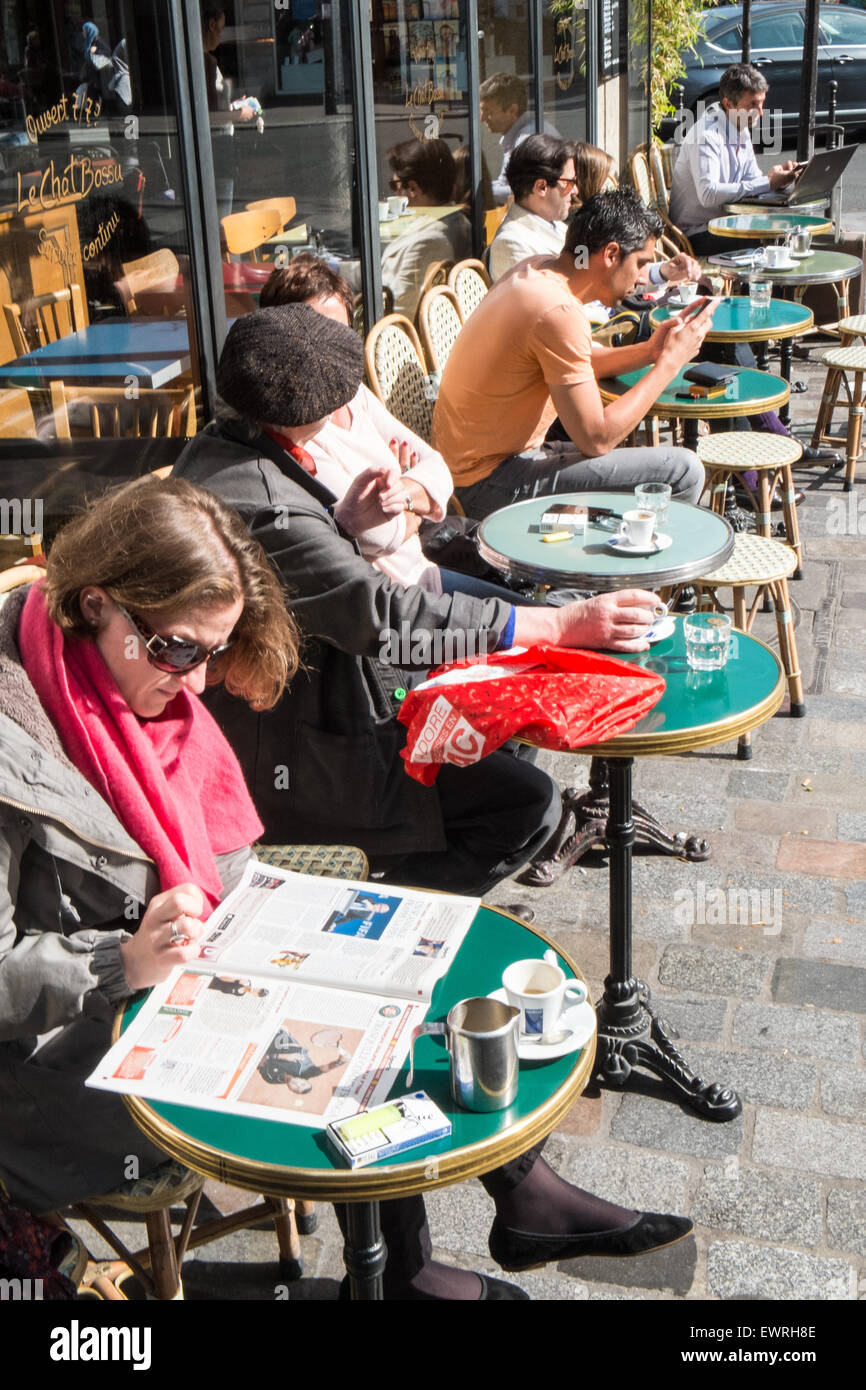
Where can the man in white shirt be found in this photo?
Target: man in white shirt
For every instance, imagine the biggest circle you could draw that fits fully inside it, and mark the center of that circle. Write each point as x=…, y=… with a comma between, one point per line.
x=716, y=163
x=541, y=176
x=504, y=110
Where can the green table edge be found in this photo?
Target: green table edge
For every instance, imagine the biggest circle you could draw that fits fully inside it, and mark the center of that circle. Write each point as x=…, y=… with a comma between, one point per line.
x=703, y=408
x=171, y=1127
x=753, y=334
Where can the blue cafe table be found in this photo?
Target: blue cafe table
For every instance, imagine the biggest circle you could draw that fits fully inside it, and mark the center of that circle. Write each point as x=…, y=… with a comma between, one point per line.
x=155, y=351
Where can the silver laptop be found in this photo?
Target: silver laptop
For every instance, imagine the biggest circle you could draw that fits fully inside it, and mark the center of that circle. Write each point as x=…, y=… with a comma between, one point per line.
x=817, y=180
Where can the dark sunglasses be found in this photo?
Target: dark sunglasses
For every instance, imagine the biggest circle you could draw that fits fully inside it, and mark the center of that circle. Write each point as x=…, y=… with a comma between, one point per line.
x=171, y=653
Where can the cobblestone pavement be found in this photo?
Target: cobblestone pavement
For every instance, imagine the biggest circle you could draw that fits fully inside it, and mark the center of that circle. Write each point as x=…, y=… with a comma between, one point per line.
x=773, y=1005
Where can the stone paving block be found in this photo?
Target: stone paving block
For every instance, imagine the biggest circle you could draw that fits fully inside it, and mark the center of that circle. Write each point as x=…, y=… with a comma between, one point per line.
x=623, y=1175
x=657, y=922
x=757, y=1078
x=836, y=940
x=763, y=785
x=697, y=1019
x=672, y=1268
x=737, y=1270
x=661, y=1124
x=766, y=1206
x=844, y=683
x=800, y=855
x=855, y=899
x=850, y=662
x=843, y=1090
x=838, y=987
x=713, y=970
x=830, y=1148
x=738, y=850
x=460, y=1218
x=824, y=733
x=852, y=825
x=832, y=707
x=846, y=1220
x=794, y=1031
x=770, y=818
x=777, y=758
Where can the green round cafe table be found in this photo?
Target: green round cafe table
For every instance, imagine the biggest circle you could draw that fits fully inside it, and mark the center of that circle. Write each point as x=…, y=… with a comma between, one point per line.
x=697, y=710
x=285, y=1160
x=736, y=320
x=766, y=226
x=750, y=393
x=510, y=540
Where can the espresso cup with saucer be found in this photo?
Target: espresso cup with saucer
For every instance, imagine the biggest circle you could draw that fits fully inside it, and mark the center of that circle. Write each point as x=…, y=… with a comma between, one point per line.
x=778, y=258
x=637, y=527
x=397, y=206
x=539, y=989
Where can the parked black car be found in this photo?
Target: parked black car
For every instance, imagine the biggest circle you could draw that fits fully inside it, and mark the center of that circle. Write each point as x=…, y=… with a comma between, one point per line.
x=778, y=33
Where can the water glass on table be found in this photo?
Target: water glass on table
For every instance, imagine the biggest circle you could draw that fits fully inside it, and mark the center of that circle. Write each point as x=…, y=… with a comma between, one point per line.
x=654, y=497
x=708, y=640
x=760, y=293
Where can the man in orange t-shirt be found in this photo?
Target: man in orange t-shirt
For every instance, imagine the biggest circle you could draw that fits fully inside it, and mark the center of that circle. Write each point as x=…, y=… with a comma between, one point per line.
x=526, y=356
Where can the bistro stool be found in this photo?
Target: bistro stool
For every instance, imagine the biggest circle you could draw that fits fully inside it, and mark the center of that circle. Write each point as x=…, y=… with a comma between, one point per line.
x=732, y=454
x=766, y=564
x=839, y=363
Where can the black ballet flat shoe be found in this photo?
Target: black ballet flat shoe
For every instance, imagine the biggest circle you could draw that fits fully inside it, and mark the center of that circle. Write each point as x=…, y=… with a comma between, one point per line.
x=514, y=1250
x=492, y=1291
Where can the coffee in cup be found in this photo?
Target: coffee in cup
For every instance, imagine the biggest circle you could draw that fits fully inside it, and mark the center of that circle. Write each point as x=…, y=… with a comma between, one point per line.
x=540, y=990
x=637, y=527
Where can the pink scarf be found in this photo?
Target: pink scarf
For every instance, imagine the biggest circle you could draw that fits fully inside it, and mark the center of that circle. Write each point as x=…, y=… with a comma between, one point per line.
x=173, y=781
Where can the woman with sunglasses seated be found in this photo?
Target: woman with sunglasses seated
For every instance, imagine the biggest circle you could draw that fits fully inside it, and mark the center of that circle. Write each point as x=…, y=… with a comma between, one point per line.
x=124, y=816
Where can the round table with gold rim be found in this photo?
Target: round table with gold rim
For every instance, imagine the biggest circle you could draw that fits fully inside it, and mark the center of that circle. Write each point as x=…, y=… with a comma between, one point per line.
x=287, y=1160
x=751, y=393
x=697, y=710
x=757, y=225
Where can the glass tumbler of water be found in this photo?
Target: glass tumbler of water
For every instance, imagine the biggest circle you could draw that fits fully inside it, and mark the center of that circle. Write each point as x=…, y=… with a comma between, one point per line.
x=760, y=292
x=708, y=638
x=654, y=497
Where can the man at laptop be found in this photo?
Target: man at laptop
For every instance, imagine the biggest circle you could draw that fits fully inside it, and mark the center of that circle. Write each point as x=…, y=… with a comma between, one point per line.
x=716, y=163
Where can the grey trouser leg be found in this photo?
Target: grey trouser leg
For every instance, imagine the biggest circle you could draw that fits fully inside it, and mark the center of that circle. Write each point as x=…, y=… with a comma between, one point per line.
x=559, y=467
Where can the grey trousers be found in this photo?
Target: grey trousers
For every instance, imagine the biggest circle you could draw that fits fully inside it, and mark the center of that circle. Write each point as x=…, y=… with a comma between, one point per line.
x=559, y=467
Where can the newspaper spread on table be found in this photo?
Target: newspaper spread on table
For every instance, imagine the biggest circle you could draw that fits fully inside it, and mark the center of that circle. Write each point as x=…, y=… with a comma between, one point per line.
x=301, y=1004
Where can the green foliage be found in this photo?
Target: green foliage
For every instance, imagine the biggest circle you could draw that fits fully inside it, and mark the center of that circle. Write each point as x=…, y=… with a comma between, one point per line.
x=676, y=25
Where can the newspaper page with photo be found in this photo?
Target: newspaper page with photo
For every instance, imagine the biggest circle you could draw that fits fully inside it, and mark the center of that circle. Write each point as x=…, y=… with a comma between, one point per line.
x=273, y=1020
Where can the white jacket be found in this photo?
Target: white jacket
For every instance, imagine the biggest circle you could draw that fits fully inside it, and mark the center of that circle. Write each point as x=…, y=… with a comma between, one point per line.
x=523, y=233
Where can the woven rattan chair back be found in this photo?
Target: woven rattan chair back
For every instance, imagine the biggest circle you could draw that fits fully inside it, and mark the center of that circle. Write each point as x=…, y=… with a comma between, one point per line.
x=439, y=322
x=397, y=372
x=470, y=282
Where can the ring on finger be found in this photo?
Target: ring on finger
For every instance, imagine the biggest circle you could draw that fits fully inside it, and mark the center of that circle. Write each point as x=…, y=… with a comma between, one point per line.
x=177, y=938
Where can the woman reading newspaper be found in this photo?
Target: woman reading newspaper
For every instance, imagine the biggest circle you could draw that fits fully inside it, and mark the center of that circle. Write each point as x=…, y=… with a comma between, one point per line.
x=123, y=821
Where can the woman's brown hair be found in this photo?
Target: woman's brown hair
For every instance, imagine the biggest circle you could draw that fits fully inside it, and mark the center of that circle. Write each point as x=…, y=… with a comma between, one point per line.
x=306, y=277
x=592, y=169
x=164, y=547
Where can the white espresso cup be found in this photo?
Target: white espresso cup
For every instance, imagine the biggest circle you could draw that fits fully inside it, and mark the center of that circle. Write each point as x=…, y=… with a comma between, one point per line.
x=540, y=990
x=397, y=205
x=777, y=256
x=687, y=291
x=637, y=527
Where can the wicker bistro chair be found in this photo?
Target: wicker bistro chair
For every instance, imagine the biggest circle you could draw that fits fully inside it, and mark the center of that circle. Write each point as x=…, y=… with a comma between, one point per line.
x=470, y=282
x=843, y=364
x=730, y=455
x=158, y=1266
x=397, y=372
x=766, y=565
x=439, y=323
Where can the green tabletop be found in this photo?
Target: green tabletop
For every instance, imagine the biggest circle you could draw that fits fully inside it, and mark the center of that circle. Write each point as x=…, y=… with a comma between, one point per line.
x=511, y=541
x=701, y=708
x=760, y=226
x=291, y=1160
x=736, y=320
x=750, y=393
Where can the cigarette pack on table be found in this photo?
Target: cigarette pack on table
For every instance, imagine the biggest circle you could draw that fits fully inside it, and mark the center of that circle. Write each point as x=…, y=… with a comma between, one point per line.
x=564, y=516
x=388, y=1129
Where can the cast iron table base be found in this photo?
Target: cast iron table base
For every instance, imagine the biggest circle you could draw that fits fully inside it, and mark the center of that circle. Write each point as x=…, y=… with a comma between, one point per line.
x=629, y=1033
x=585, y=825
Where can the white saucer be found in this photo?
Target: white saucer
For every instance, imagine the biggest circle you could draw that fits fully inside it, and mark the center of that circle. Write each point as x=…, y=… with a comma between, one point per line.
x=580, y=1018
x=661, y=629
x=661, y=542
x=802, y=255
x=780, y=265
x=675, y=302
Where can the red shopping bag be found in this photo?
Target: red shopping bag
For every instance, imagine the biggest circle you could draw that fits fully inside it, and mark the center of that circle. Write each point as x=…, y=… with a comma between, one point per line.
x=555, y=697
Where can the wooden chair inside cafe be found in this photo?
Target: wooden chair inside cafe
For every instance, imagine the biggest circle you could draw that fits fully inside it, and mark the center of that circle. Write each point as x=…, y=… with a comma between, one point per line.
x=108, y=412
x=152, y=285
x=244, y=233
x=45, y=318
x=286, y=207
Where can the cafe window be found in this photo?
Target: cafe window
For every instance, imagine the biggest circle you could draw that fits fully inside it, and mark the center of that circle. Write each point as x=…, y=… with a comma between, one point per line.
x=564, y=46
x=97, y=353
